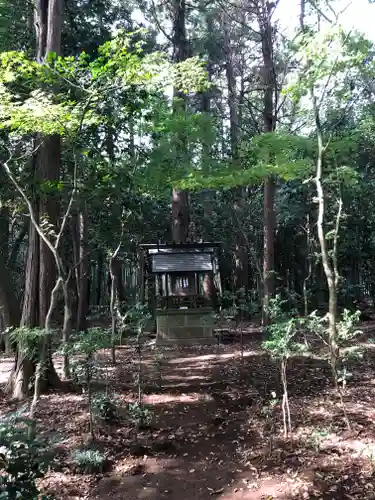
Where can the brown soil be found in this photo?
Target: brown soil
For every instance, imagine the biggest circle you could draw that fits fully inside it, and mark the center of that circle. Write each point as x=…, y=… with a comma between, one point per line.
x=211, y=436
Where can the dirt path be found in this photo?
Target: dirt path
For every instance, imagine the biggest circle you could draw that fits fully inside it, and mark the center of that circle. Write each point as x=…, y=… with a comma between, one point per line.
x=212, y=436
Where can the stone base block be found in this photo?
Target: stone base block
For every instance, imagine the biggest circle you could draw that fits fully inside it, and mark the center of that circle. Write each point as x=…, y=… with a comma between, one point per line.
x=185, y=327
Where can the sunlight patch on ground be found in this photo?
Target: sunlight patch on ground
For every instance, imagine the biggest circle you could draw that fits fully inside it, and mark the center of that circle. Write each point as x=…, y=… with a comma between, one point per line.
x=321, y=411
x=71, y=398
x=6, y=365
x=249, y=488
x=172, y=398
x=206, y=358
x=188, y=378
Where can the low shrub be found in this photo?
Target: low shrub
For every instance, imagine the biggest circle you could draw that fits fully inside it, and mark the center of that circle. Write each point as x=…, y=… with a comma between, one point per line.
x=23, y=459
x=88, y=461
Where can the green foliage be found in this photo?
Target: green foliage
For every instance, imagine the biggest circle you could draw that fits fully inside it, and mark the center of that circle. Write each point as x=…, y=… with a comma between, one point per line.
x=346, y=334
x=316, y=438
x=89, y=341
x=22, y=459
x=89, y=461
x=370, y=455
x=121, y=67
x=190, y=76
x=84, y=370
x=28, y=340
x=136, y=318
x=282, y=332
x=104, y=407
x=281, y=155
x=139, y=414
x=346, y=327
x=15, y=30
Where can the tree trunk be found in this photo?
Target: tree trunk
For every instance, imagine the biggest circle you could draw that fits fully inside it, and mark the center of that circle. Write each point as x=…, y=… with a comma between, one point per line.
x=241, y=270
x=113, y=305
x=67, y=324
x=40, y=268
x=84, y=271
x=48, y=165
x=99, y=278
x=117, y=269
x=19, y=384
x=180, y=199
x=269, y=122
x=6, y=302
x=9, y=309
x=329, y=270
x=48, y=158
x=4, y=230
x=15, y=250
x=231, y=86
x=180, y=216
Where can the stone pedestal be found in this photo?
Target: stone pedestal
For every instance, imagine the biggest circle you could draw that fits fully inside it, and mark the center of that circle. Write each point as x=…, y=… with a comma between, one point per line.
x=185, y=326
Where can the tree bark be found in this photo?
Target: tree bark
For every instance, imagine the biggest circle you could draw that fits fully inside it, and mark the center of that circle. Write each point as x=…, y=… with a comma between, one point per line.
x=84, y=271
x=15, y=250
x=180, y=199
x=330, y=270
x=9, y=309
x=269, y=122
x=40, y=268
x=6, y=302
x=241, y=268
x=113, y=305
x=117, y=269
x=99, y=278
x=48, y=166
x=19, y=382
x=48, y=158
x=180, y=216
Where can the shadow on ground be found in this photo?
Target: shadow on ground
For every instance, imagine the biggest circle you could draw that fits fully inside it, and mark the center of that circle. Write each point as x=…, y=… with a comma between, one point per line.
x=214, y=433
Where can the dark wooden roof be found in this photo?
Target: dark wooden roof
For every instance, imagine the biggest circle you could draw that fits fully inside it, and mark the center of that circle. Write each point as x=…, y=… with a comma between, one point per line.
x=172, y=262
x=186, y=246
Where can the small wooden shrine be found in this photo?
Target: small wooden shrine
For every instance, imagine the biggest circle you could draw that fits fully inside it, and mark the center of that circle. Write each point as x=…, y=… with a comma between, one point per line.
x=181, y=283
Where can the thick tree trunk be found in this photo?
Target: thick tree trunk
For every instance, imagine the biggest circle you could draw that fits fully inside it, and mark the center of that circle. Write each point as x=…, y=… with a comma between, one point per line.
x=241, y=270
x=180, y=199
x=19, y=384
x=48, y=21
x=4, y=230
x=15, y=250
x=269, y=122
x=9, y=309
x=48, y=166
x=40, y=268
x=180, y=216
x=231, y=86
x=5, y=285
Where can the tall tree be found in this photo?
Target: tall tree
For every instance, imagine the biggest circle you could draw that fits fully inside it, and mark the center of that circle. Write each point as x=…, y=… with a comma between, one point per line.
x=40, y=267
x=264, y=11
x=180, y=198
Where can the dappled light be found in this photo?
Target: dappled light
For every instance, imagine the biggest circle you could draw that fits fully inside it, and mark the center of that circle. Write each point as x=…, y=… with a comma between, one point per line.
x=213, y=431
x=187, y=242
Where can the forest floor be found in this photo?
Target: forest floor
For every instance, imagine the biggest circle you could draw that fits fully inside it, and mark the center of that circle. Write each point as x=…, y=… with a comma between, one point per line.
x=214, y=433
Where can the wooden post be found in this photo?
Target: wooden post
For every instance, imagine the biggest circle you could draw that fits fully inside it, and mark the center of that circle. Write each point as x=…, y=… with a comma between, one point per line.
x=142, y=276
